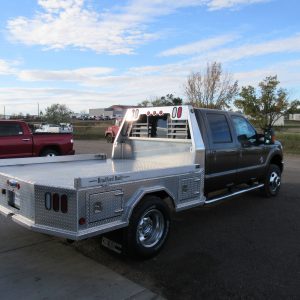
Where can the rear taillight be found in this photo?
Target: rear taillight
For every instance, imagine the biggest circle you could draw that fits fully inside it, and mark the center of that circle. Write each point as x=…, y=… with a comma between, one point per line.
x=82, y=221
x=48, y=201
x=56, y=202
x=179, y=112
x=64, y=204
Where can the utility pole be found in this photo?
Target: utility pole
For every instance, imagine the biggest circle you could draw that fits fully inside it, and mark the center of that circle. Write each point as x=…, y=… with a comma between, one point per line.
x=4, y=113
x=38, y=110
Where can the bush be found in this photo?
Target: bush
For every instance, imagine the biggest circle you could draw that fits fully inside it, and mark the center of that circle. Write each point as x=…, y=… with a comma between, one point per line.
x=290, y=142
x=90, y=130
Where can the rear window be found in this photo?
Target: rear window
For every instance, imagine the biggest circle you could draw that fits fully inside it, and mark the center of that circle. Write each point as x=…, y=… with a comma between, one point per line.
x=219, y=128
x=10, y=129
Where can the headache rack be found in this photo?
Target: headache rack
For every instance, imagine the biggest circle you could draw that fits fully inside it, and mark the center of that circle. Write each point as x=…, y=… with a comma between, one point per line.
x=141, y=130
x=175, y=129
x=178, y=129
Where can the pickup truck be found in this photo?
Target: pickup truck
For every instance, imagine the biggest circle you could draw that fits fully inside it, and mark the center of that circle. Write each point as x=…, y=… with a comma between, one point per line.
x=164, y=160
x=52, y=128
x=112, y=131
x=17, y=140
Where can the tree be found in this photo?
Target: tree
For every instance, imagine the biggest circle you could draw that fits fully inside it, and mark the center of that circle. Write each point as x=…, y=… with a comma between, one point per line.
x=211, y=88
x=168, y=100
x=144, y=103
x=58, y=113
x=267, y=104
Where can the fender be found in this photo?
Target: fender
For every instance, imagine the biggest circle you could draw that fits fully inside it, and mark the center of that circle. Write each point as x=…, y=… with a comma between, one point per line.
x=275, y=152
x=141, y=193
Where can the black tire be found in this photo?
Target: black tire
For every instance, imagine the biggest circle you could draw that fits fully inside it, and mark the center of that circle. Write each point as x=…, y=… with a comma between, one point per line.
x=272, y=181
x=148, y=228
x=109, y=138
x=49, y=152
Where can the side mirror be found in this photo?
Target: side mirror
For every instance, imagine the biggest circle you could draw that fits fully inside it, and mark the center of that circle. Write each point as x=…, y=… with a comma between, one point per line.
x=244, y=140
x=269, y=136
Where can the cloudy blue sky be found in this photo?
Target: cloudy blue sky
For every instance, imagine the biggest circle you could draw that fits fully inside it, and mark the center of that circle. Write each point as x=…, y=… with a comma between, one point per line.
x=95, y=53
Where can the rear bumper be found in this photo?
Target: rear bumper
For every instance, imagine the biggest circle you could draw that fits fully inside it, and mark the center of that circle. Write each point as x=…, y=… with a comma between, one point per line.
x=73, y=235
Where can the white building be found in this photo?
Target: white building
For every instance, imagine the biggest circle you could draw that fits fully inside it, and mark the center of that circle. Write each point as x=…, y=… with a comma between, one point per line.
x=112, y=111
x=279, y=122
x=294, y=117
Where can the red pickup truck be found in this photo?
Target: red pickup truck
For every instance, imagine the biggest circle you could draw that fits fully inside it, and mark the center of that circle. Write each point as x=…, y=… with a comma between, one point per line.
x=17, y=140
x=111, y=131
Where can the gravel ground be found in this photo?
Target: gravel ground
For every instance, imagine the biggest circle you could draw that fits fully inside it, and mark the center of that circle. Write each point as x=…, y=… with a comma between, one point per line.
x=244, y=248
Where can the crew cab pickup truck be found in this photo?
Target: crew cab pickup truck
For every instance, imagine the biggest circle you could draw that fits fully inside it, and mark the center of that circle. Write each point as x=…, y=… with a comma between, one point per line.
x=17, y=140
x=164, y=160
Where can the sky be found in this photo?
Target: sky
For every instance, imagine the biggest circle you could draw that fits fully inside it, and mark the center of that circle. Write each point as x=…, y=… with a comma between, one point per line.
x=97, y=53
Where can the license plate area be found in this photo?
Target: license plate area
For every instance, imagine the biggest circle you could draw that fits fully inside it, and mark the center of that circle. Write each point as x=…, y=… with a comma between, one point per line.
x=13, y=200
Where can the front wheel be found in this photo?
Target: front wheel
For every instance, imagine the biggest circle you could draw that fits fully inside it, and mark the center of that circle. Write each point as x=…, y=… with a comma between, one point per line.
x=272, y=181
x=109, y=138
x=149, y=227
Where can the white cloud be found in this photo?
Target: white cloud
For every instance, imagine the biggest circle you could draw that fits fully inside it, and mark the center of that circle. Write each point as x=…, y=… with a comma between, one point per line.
x=283, y=45
x=69, y=23
x=25, y=99
x=75, y=75
x=225, y=56
x=132, y=88
x=144, y=76
x=6, y=68
x=287, y=72
x=200, y=46
x=221, y=4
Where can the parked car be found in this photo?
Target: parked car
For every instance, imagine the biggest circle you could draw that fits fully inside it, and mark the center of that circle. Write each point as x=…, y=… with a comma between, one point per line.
x=17, y=140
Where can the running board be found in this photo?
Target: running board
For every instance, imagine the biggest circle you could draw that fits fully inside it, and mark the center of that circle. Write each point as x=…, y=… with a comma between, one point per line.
x=213, y=200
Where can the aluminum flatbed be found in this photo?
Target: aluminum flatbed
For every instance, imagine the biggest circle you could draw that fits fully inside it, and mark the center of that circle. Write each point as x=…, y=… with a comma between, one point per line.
x=64, y=173
x=80, y=196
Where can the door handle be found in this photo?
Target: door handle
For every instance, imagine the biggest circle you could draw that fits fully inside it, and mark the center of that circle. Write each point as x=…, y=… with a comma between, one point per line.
x=25, y=140
x=214, y=154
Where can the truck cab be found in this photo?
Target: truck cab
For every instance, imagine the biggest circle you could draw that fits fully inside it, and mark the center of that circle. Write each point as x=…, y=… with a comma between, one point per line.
x=235, y=153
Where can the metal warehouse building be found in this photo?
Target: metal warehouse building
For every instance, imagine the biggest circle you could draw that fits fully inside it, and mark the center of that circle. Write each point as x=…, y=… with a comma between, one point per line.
x=112, y=111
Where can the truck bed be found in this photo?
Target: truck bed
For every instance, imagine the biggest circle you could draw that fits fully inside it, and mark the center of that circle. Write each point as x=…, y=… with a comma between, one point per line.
x=62, y=173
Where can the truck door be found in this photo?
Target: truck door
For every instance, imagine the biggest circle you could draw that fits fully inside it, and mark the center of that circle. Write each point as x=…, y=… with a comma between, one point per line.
x=252, y=154
x=13, y=141
x=222, y=155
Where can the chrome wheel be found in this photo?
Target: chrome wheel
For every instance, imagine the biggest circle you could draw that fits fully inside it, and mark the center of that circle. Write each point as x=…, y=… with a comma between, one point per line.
x=151, y=227
x=274, y=181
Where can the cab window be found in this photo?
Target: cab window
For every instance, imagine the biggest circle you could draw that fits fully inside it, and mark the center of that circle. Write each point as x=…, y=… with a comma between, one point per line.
x=243, y=127
x=219, y=128
x=10, y=129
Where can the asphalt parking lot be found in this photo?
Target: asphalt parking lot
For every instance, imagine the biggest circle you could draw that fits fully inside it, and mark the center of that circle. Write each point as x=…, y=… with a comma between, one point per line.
x=244, y=248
